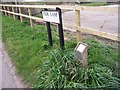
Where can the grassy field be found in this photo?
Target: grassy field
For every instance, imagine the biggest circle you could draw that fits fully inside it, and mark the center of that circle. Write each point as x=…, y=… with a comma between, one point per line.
x=43, y=66
x=95, y=4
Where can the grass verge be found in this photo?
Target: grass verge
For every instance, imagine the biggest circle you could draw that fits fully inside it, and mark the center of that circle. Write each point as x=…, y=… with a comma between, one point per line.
x=95, y=4
x=42, y=66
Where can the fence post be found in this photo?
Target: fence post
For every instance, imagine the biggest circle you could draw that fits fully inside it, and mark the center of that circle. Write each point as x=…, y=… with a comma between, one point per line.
x=5, y=10
x=29, y=12
x=8, y=10
x=77, y=12
x=13, y=11
x=21, y=19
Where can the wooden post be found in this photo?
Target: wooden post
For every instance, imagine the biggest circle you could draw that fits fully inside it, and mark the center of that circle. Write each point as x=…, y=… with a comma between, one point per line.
x=77, y=12
x=13, y=11
x=8, y=10
x=29, y=12
x=5, y=12
x=17, y=10
x=21, y=19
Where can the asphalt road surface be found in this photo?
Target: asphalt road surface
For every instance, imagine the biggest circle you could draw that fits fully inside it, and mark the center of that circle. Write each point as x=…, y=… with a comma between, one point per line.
x=101, y=21
x=8, y=76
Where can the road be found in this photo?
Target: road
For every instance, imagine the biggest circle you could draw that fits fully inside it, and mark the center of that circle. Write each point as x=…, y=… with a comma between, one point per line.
x=101, y=21
x=8, y=76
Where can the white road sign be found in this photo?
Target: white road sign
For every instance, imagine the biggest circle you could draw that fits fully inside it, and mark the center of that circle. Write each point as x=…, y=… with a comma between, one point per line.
x=51, y=16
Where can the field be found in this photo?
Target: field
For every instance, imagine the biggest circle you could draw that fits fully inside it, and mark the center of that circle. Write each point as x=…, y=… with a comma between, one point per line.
x=43, y=66
x=95, y=4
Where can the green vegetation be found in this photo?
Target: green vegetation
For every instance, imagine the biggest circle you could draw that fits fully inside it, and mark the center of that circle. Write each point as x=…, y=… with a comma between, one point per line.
x=94, y=4
x=34, y=3
x=39, y=15
x=41, y=65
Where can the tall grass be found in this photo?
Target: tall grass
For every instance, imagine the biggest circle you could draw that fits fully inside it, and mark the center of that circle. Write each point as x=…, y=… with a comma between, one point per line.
x=42, y=66
x=62, y=71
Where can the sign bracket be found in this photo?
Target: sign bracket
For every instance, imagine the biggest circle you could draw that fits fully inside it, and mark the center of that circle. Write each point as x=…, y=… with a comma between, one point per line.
x=54, y=16
x=49, y=32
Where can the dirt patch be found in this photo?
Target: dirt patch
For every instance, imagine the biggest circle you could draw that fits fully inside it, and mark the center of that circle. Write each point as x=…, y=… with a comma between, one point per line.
x=72, y=34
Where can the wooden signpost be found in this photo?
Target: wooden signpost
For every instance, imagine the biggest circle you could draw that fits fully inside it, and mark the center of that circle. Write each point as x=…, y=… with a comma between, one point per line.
x=54, y=16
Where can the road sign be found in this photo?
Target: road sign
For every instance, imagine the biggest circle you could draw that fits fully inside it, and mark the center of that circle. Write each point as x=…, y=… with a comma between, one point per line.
x=54, y=16
x=51, y=16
